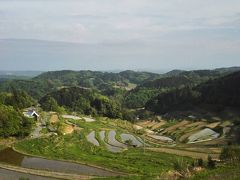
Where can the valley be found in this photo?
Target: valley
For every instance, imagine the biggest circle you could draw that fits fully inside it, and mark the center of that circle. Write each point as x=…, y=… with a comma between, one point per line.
x=77, y=132
x=119, y=90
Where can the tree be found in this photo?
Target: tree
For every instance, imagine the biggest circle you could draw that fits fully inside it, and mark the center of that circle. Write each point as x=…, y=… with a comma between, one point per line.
x=230, y=153
x=50, y=104
x=13, y=123
x=211, y=162
x=200, y=162
x=18, y=99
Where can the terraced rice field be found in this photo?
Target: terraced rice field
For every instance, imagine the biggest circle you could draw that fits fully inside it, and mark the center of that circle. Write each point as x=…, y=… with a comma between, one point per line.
x=112, y=140
x=117, y=136
x=213, y=125
x=133, y=139
x=161, y=138
x=111, y=143
x=158, y=125
x=191, y=129
x=153, y=125
x=184, y=131
x=175, y=127
x=192, y=154
x=109, y=147
x=205, y=134
x=87, y=119
x=143, y=123
x=91, y=138
x=71, y=117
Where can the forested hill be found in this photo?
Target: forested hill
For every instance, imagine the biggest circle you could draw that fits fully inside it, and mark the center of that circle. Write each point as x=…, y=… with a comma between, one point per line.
x=215, y=95
x=138, y=77
x=168, y=82
x=82, y=100
x=95, y=78
x=202, y=73
x=138, y=97
x=104, y=81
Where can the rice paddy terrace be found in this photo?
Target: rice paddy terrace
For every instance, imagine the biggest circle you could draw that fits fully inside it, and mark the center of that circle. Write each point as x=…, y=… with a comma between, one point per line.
x=146, y=148
x=196, y=139
x=107, y=144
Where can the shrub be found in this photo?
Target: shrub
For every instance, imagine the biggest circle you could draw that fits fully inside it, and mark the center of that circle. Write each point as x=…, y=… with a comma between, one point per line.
x=200, y=162
x=180, y=166
x=129, y=142
x=211, y=163
x=230, y=153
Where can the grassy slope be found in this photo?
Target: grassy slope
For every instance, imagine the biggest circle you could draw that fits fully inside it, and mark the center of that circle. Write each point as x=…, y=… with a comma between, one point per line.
x=75, y=147
x=223, y=172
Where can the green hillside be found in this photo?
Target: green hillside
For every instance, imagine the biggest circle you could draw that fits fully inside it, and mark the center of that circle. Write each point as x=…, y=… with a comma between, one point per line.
x=213, y=95
x=81, y=100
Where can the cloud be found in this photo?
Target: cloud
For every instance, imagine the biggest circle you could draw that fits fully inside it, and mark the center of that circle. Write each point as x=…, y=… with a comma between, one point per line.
x=140, y=29
x=96, y=21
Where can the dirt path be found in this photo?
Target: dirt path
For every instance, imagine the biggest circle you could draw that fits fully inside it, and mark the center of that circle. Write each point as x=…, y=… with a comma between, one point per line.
x=37, y=131
x=194, y=155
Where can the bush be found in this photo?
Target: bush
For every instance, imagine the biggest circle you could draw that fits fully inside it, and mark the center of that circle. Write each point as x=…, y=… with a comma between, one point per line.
x=129, y=142
x=181, y=167
x=13, y=123
x=230, y=153
x=211, y=163
x=200, y=162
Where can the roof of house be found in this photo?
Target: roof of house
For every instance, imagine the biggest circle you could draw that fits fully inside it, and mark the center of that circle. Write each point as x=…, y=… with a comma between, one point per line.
x=32, y=113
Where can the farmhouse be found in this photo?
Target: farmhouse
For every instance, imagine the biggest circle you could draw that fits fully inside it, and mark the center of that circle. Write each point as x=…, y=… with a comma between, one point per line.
x=31, y=114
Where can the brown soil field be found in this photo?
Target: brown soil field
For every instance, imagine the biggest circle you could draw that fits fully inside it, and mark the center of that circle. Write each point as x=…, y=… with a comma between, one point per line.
x=213, y=125
x=143, y=123
x=68, y=129
x=174, y=127
x=191, y=132
x=158, y=125
x=195, y=124
x=54, y=119
x=149, y=125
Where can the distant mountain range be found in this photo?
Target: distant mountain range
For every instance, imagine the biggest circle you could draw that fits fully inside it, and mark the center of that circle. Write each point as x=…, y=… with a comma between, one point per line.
x=12, y=74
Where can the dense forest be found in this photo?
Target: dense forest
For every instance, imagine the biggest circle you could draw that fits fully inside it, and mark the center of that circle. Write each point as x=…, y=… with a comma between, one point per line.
x=82, y=100
x=12, y=121
x=176, y=79
x=215, y=95
x=138, y=97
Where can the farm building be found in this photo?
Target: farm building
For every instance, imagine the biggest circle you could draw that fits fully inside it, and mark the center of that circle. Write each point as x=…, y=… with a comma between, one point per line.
x=31, y=114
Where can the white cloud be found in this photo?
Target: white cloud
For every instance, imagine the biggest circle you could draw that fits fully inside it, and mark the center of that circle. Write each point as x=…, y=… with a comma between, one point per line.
x=151, y=28
x=110, y=20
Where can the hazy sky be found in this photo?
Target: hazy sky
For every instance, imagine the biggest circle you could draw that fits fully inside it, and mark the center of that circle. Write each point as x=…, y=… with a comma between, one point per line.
x=119, y=34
